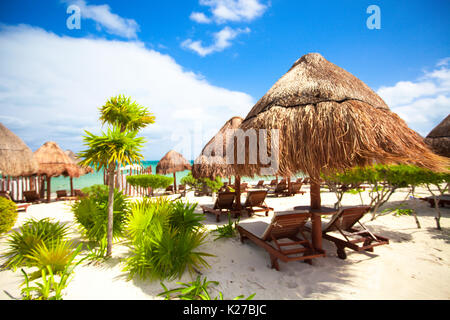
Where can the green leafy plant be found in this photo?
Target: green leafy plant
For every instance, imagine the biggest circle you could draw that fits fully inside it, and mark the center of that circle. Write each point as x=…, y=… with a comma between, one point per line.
x=227, y=230
x=8, y=214
x=195, y=290
x=118, y=146
x=154, y=181
x=164, y=237
x=91, y=213
x=56, y=255
x=50, y=288
x=30, y=235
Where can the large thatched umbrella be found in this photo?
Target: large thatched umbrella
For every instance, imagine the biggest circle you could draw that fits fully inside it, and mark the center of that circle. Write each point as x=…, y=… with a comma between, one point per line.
x=83, y=169
x=53, y=162
x=328, y=119
x=172, y=162
x=439, y=138
x=210, y=163
x=16, y=159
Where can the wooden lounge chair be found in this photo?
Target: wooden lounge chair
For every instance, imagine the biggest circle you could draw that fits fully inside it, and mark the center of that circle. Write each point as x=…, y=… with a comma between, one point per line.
x=20, y=206
x=224, y=205
x=272, y=183
x=260, y=184
x=169, y=189
x=280, y=189
x=32, y=196
x=78, y=193
x=295, y=189
x=443, y=200
x=343, y=222
x=280, y=237
x=255, y=202
x=61, y=194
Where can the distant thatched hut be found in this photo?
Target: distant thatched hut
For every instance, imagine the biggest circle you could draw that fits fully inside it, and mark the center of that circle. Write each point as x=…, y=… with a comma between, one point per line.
x=209, y=163
x=53, y=162
x=439, y=138
x=328, y=119
x=172, y=162
x=16, y=158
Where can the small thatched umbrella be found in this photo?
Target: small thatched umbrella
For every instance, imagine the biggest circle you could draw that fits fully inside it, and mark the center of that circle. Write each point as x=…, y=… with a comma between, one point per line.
x=16, y=159
x=83, y=169
x=172, y=162
x=327, y=119
x=210, y=164
x=53, y=162
x=439, y=138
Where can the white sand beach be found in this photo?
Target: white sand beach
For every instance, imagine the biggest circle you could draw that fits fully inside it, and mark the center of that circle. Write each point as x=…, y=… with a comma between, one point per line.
x=415, y=265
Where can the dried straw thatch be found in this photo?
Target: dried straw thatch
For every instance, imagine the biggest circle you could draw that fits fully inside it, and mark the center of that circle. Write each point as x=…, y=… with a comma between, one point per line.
x=53, y=161
x=16, y=159
x=172, y=162
x=83, y=169
x=210, y=165
x=439, y=138
x=329, y=119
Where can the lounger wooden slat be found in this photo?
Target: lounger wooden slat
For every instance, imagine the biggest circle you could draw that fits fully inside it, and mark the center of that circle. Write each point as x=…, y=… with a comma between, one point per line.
x=282, y=231
x=255, y=202
x=343, y=223
x=224, y=205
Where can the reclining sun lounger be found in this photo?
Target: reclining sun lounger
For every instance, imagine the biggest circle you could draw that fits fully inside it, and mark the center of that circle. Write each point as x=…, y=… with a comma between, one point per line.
x=32, y=196
x=224, y=205
x=343, y=222
x=443, y=200
x=255, y=202
x=280, y=237
x=280, y=189
x=20, y=206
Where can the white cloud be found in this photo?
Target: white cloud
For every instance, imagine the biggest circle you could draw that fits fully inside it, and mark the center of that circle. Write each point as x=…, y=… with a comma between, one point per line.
x=199, y=17
x=234, y=10
x=111, y=22
x=422, y=103
x=222, y=40
x=51, y=87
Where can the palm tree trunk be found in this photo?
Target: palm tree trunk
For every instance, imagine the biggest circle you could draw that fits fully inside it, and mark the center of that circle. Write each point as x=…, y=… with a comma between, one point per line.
x=110, y=210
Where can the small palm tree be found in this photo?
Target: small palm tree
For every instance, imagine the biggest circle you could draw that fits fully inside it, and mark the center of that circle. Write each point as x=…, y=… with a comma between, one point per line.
x=127, y=114
x=110, y=150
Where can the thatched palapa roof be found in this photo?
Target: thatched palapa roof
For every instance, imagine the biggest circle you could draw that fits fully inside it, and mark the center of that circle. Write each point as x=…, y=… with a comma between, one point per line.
x=172, y=162
x=16, y=158
x=439, y=138
x=209, y=163
x=329, y=119
x=83, y=169
x=53, y=161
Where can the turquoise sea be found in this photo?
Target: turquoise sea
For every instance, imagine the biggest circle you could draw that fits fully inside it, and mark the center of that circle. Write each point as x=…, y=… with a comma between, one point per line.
x=63, y=183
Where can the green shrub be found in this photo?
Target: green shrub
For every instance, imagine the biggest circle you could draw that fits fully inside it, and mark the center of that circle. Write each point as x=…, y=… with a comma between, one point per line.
x=56, y=256
x=8, y=214
x=32, y=234
x=198, y=184
x=164, y=237
x=196, y=290
x=154, y=181
x=226, y=231
x=91, y=213
x=96, y=189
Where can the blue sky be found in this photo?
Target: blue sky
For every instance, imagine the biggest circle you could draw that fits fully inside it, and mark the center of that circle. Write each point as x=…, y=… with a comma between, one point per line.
x=196, y=64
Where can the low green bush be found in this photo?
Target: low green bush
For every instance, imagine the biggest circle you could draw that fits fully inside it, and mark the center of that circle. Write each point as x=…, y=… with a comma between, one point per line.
x=31, y=234
x=154, y=181
x=91, y=213
x=164, y=236
x=8, y=214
